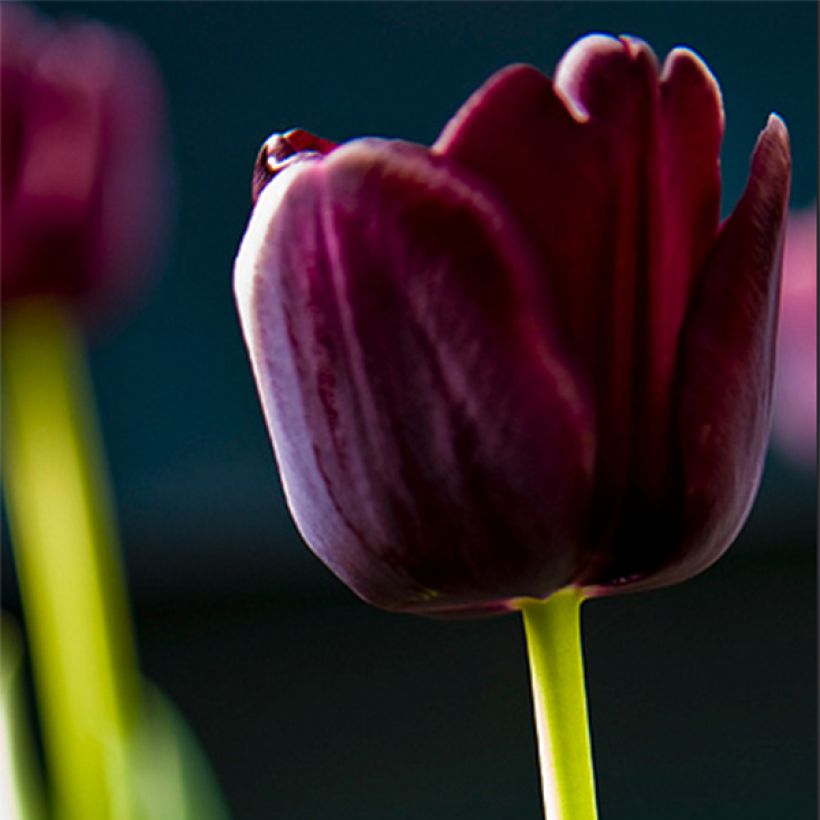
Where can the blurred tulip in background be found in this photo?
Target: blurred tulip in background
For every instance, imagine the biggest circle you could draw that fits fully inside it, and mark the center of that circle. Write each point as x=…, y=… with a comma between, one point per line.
x=84, y=161
x=84, y=196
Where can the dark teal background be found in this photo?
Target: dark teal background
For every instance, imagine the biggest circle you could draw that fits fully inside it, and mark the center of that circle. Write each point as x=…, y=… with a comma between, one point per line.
x=310, y=704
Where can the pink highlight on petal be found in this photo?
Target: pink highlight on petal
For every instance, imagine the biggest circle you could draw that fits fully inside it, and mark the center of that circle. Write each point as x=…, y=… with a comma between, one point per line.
x=795, y=417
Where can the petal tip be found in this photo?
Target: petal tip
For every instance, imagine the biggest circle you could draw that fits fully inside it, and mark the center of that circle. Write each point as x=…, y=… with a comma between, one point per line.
x=638, y=49
x=592, y=57
x=685, y=65
x=776, y=127
x=772, y=152
x=582, y=52
x=515, y=80
x=282, y=150
x=257, y=243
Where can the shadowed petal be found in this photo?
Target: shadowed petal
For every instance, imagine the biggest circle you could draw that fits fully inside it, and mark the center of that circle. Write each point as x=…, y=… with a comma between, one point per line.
x=613, y=169
x=725, y=390
x=435, y=449
x=685, y=197
x=612, y=86
x=515, y=132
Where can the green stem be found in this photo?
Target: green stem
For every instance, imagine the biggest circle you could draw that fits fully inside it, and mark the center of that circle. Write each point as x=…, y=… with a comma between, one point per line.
x=21, y=788
x=553, y=630
x=66, y=552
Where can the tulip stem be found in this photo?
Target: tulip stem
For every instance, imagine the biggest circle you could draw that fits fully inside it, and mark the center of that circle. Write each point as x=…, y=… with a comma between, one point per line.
x=66, y=552
x=553, y=630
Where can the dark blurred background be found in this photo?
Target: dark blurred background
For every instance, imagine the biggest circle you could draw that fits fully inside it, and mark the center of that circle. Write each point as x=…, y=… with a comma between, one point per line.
x=310, y=704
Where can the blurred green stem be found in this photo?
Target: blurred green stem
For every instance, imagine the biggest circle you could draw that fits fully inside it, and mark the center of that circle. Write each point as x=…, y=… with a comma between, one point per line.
x=553, y=630
x=21, y=789
x=66, y=552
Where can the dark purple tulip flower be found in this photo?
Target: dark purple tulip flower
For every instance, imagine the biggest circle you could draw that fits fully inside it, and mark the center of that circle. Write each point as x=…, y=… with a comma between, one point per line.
x=83, y=161
x=529, y=357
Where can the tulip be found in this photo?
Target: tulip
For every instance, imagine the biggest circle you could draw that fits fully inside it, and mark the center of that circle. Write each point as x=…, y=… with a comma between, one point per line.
x=525, y=366
x=529, y=357
x=795, y=417
x=83, y=159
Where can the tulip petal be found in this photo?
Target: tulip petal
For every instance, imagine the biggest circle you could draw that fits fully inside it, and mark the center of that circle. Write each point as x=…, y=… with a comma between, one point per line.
x=612, y=85
x=543, y=171
x=552, y=168
x=685, y=196
x=725, y=386
x=555, y=176
x=435, y=448
x=613, y=171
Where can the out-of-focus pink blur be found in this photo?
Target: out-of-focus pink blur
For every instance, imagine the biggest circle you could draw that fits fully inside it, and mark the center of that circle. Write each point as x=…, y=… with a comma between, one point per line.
x=795, y=419
x=84, y=162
